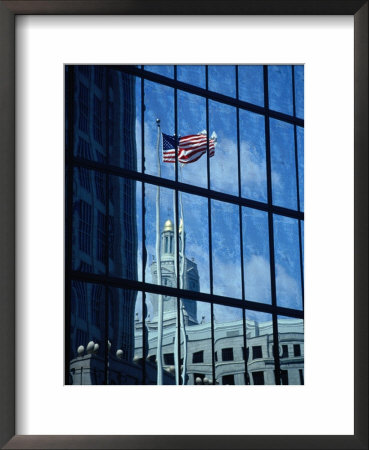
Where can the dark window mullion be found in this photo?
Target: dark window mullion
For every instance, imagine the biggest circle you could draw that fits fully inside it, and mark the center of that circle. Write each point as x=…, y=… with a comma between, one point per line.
x=241, y=227
x=176, y=228
x=188, y=188
x=143, y=226
x=107, y=212
x=297, y=185
x=209, y=226
x=301, y=264
x=295, y=140
x=125, y=283
x=270, y=225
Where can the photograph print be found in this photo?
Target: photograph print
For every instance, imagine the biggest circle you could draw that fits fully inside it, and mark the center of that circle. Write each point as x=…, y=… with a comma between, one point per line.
x=184, y=224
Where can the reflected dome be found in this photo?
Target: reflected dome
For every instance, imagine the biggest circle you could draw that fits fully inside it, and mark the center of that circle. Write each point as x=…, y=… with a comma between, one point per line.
x=168, y=226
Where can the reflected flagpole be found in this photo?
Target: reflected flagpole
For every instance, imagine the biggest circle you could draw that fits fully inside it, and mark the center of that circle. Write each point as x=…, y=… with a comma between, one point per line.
x=182, y=272
x=159, y=358
x=176, y=355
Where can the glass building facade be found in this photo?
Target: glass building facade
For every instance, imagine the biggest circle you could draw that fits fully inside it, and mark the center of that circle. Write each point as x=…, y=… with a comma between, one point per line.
x=184, y=273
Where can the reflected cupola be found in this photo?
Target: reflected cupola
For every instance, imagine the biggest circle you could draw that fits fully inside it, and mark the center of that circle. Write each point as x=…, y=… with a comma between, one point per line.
x=167, y=238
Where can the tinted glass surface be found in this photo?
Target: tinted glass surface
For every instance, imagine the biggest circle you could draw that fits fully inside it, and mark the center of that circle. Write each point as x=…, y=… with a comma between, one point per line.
x=287, y=262
x=251, y=84
x=160, y=256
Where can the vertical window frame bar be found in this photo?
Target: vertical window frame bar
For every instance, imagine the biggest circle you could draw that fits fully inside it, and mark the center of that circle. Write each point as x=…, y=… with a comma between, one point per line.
x=298, y=186
x=143, y=232
x=270, y=226
x=176, y=228
x=241, y=224
x=209, y=225
x=107, y=211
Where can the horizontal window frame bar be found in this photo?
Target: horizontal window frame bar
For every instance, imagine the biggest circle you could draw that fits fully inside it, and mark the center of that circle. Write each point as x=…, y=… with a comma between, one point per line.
x=211, y=95
x=109, y=169
x=124, y=283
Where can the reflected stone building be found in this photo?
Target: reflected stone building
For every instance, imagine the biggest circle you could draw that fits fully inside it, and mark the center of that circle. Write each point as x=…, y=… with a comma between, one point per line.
x=230, y=353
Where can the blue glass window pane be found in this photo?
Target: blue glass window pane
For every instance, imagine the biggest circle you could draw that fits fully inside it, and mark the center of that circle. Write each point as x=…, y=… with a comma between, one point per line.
x=107, y=115
x=195, y=273
x=300, y=156
x=224, y=163
x=125, y=233
x=194, y=75
x=196, y=342
x=125, y=336
x=256, y=255
x=282, y=149
x=226, y=249
x=222, y=79
x=259, y=352
x=299, y=91
x=159, y=104
x=302, y=242
x=191, y=111
x=89, y=130
x=253, y=159
x=167, y=71
x=124, y=120
x=167, y=352
x=165, y=234
x=280, y=89
x=228, y=346
x=291, y=350
x=287, y=262
x=251, y=84
x=89, y=221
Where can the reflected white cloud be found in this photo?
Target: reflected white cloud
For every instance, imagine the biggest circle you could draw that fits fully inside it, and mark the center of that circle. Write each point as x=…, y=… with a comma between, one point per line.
x=257, y=279
x=288, y=289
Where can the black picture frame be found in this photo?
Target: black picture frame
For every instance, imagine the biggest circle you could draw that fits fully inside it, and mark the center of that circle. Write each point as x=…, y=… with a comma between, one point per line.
x=8, y=12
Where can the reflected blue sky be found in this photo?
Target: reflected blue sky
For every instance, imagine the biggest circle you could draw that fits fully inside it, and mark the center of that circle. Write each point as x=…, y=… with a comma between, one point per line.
x=224, y=165
x=282, y=150
x=287, y=262
x=226, y=249
x=159, y=102
x=300, y=156
x=162, y=69
x=280, y=89
x=299, y=91
x=192, y=120
x=222, y=79
x=192, y=74
x=256, y=255
x=253, y=158
x=251, y=84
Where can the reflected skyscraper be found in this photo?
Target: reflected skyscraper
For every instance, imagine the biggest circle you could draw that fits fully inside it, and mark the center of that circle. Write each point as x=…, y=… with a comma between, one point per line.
x=103, y=130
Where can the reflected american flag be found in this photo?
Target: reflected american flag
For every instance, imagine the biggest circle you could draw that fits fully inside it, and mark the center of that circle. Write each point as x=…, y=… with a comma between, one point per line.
x=190, y=148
